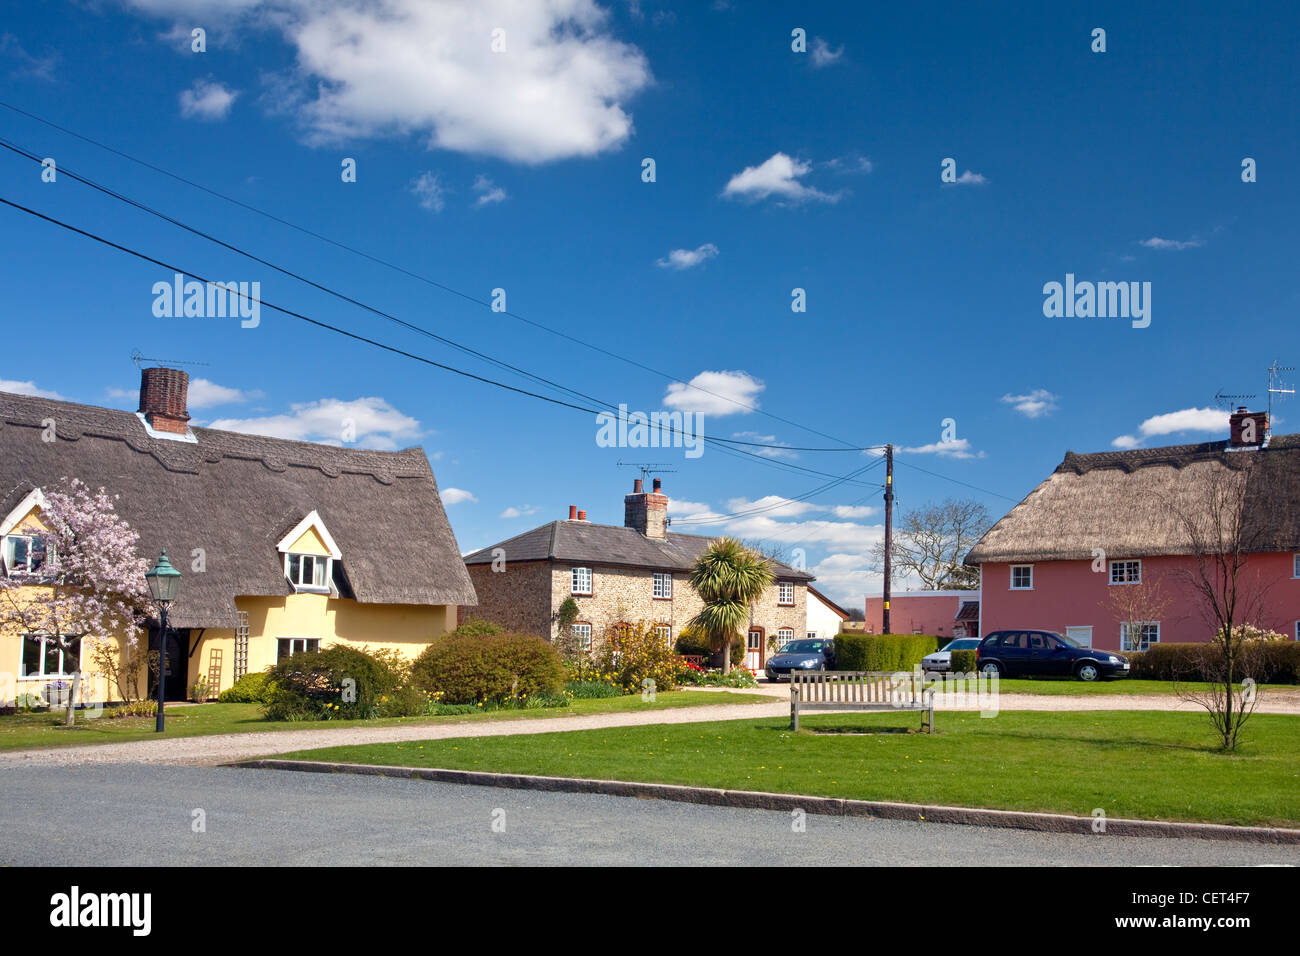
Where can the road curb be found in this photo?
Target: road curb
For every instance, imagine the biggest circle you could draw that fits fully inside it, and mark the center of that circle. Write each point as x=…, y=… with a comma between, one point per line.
x=830, y=806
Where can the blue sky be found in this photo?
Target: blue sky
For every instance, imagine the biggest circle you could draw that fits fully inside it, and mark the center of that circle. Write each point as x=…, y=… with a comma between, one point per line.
x=774, y=170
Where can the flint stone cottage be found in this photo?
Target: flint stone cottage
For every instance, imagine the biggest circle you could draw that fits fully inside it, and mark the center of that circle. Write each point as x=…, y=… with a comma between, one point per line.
x=620, y=575
x=1042, y=565
x=284, y=546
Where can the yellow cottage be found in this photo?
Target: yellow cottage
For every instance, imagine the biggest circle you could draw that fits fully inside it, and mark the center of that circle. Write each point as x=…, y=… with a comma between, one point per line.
x=284, y=546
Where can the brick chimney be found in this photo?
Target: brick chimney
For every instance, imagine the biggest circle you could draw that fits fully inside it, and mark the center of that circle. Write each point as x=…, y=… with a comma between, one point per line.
x=646, y=512
x=573, y=512
x=162, y=399
x=1247, y=429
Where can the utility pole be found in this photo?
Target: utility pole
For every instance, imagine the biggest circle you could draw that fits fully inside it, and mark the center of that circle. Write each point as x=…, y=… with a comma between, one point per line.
x=889, y=533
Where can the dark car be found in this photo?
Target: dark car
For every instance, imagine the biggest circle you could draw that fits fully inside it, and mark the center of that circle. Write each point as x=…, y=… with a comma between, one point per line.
x=811, y=654
x=1045, y=654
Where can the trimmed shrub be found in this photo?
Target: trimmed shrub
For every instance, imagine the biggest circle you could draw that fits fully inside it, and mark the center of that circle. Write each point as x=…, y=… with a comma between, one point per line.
x=883, y=652
x=466, y=668
x=249, y=689
x=1267, y=661
x=477, y=627
x=962, y=662
x=340, y=682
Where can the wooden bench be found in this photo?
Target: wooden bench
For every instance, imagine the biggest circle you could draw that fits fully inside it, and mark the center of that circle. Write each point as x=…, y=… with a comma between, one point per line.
x=859, y=690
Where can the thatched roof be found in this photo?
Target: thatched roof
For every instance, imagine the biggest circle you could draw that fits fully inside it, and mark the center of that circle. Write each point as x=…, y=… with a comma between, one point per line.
x=1128, y=503
x=235, y=496
x=583, y=542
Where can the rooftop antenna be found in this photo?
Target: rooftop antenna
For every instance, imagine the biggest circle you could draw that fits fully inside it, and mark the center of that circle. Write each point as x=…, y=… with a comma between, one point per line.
x=649, y=467
x=138, y=360
x=1275, y=386
x=1227, y=401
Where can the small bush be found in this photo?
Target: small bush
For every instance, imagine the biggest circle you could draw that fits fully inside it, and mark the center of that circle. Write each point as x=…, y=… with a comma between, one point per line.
x=249, y=689
x=469, y=668
x=592, y=689
x=635, y=655
x=883, y=652
x=134, y=708
x=962, y=662
x=340, y=682
x=476, y=627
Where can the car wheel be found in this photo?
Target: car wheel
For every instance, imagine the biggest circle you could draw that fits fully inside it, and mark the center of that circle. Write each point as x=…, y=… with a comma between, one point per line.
x=991, y=669
x=1088, y=671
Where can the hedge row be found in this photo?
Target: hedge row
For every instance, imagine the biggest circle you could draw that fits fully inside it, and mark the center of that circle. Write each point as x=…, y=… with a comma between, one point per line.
x=883, y=652
x=1268, y=662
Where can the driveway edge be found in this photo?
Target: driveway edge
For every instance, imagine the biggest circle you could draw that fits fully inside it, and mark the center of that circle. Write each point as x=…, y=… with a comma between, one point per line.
x=831, y=806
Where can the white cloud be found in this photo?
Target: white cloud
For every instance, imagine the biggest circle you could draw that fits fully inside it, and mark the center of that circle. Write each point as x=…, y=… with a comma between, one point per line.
x=849, y=164
x=847, y=577
x=804, y=533
x=853, y=511
x=1155, y=242
x=26, y=388
x=971, y=179
x=779, y=507
x=488, y=192
x=207, y=100
x=559, y=88
x=1035, y=404
x=823, y=55
x=715, y=393
x=957, y=448
x=513, y=512
x=363, y=422
x=681, y=508
x=202, y=394
x=1183, y=420
x=776, y=176
x=27, y=64
x=688, y=258
x=428, y=191
x=769, y=440
x=454, y=496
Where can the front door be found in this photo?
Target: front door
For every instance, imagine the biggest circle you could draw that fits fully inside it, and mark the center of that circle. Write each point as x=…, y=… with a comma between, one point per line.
x=754, y=649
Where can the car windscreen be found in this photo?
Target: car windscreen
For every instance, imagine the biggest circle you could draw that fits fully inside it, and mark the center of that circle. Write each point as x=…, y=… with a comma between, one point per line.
x=803, y=647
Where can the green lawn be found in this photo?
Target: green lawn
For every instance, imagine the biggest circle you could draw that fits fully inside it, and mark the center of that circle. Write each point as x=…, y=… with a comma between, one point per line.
x=1143, y=764
x=46, y=730
x=1127, y=686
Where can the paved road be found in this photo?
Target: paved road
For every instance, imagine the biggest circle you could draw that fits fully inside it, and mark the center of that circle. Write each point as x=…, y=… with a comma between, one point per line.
x=265, y=817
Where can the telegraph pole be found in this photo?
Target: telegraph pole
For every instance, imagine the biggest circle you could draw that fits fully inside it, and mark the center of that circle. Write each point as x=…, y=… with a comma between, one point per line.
x=889, y=532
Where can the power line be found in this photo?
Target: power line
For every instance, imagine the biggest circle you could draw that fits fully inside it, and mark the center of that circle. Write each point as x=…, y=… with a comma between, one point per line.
x=717, y=519
x=935, y=474
x=414, y=275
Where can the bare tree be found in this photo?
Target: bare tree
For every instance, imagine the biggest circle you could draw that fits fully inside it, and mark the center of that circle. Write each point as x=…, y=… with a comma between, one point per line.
x=932, y=541
x=1138, y=604
x=1219, y=530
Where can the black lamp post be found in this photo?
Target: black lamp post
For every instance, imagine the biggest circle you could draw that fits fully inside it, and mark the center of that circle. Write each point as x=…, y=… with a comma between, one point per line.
x=164, y=581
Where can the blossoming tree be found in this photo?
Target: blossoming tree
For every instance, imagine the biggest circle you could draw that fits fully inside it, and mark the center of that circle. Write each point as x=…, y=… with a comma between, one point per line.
x=91, y=584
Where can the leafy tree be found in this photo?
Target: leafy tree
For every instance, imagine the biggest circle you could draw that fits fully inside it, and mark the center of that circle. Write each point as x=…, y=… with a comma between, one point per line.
x=91, y=585
x=729, y=578
x=931, y=542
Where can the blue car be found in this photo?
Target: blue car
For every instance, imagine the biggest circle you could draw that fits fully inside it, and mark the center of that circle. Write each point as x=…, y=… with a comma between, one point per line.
x=812, y=654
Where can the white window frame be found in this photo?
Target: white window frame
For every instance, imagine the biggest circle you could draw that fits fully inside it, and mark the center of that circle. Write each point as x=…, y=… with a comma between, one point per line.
x=42, y=675
x=1025, y=587
x=306, y=646
x=663, y=586
x=784, y=632
x=1297, y=630
x=312, y=588
x=583, y=633
x=1124, y=564
x=1126, y=645
x=1295, y=565
x=575, y=574
x=667, y=636
x=9, y=554
x=781, y=587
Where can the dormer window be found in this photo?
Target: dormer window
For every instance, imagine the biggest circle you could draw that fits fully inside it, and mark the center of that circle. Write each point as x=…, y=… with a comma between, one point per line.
x=23, y=553
x=308, y=572
x=309, y=556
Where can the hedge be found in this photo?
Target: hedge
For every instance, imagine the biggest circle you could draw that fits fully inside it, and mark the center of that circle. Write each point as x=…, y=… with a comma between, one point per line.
x=883, y=652
x=1272, y=662
x=341, y=682
x=467, y=668
x=962, y=662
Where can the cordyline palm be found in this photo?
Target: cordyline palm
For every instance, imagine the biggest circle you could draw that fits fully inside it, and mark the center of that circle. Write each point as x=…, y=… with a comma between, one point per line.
x=728, y=578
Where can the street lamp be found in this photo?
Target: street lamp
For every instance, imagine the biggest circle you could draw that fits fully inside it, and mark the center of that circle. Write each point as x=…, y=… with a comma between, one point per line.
x=164, y=581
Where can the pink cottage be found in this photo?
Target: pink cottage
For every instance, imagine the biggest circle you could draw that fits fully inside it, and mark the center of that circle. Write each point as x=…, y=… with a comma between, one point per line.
x=1106, y=548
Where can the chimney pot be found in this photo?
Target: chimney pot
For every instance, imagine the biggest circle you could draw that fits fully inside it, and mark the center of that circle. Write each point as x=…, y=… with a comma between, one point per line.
x=163, y=394
x=657, y=484
x=582, y=516
x=637, y=486
x=1247, y=429
x=573, y=512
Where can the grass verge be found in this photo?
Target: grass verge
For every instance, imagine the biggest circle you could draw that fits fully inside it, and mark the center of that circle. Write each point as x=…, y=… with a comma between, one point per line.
x=1151, y=765
x=21, y=731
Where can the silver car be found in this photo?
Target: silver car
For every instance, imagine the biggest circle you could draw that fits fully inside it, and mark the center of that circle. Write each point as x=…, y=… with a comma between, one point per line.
x=941, y=660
